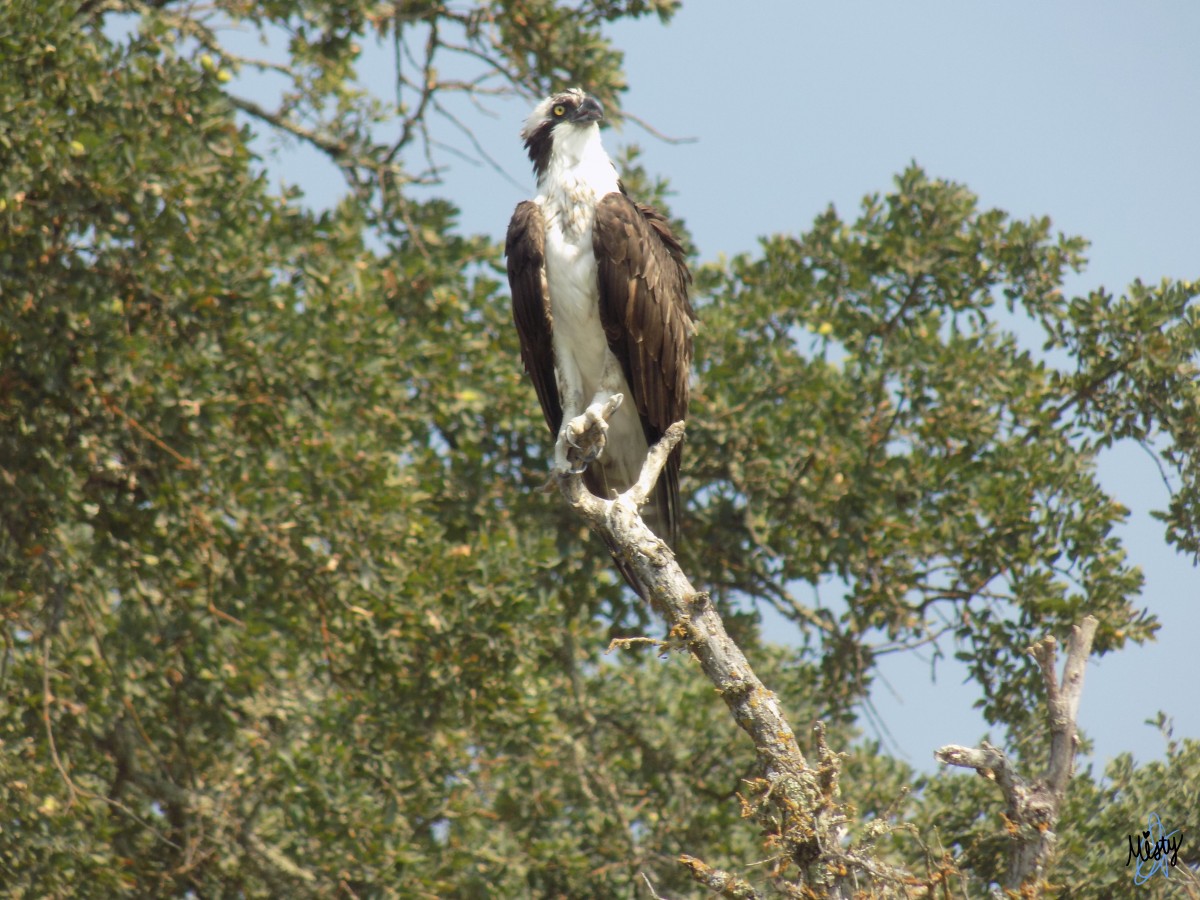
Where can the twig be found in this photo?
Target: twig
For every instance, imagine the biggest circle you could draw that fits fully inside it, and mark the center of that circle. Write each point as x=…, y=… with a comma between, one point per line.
x=646, y=126
x=479, y=148
x=428, y=85
x=141, y=429
x=630, y=642
x=47, y=699
x=650, y=886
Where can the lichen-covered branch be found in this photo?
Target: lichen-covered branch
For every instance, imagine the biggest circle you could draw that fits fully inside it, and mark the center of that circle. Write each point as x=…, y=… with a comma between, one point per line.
x=1032, y=809
x=795, y=802
x=721, y=883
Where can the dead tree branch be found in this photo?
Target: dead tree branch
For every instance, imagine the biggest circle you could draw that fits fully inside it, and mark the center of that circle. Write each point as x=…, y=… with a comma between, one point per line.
x=1033, y=809
x=795, y=803
x=689, y=613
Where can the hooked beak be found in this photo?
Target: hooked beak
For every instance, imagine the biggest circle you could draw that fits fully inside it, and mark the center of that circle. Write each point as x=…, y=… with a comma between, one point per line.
x=588, y=111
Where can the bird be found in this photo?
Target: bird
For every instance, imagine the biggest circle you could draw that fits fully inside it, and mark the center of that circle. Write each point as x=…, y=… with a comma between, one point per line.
x=599, y=288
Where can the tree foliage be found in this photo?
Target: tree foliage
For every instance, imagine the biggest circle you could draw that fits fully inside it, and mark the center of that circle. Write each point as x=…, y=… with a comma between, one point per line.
x=284, y=611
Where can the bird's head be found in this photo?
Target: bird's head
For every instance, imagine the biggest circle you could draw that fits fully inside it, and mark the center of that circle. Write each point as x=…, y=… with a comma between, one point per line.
x=562, y=125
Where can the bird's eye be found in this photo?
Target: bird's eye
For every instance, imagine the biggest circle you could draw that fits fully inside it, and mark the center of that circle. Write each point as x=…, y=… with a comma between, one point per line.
x=560, y=110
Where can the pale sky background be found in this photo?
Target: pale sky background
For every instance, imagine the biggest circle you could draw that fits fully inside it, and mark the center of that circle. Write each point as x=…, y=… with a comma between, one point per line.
x=1086, y=112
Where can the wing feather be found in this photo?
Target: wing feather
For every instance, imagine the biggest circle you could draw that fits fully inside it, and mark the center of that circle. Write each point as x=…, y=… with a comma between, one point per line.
x=647, y=320
x=525, y=250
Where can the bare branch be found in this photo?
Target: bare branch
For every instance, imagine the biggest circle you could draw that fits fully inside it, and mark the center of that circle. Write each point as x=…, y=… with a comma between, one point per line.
x=336, y=150
x=991, y=763
x=478, y=147
x=931, y=637
x=689, y=612
x=48, y=699
x=655, y=460
x=796, y=803
x=650, y=886
x=1033, y=808
x=782, y=599
x=647, y=127
x=1064, y=700
x=416, y=119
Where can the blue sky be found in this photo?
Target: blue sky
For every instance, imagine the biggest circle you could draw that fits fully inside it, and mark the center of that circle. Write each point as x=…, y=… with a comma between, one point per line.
x=1086, y=112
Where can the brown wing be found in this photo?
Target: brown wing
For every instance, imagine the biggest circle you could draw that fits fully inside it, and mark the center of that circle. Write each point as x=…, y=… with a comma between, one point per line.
x=525, y=250
x=647, y=318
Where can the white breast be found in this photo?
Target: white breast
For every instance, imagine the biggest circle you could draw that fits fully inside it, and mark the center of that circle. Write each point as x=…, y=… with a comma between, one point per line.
x=574, y=298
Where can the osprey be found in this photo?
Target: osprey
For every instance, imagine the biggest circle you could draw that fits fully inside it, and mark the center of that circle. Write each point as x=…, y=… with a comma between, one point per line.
x=600, y=300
